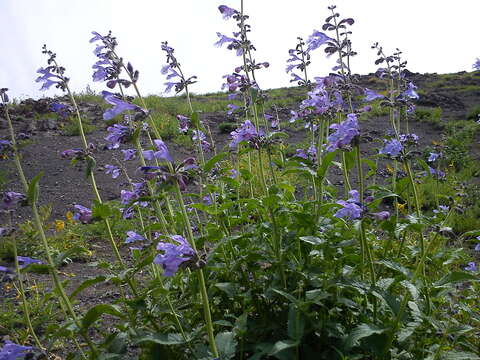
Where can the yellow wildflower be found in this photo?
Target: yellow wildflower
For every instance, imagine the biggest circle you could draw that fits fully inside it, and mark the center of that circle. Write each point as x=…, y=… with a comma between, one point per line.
x=69, y=216
x=59, y=225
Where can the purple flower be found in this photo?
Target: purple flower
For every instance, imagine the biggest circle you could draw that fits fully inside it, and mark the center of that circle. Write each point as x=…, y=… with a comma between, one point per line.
x=119, y=106
x=3, y=231
x=371, y=95
x=161, y=153
x=392, y=148
x=10, y=199
x=477, y=247
x=117, y=134
x=126, y=196
x=183, y=123
x=199, y=135
x=8, y=271
x=128, y=154
x=227, y=12
x=233, y=173
x=72, y=153
x=210, y=198
x=245, y=132
x=438, y=174
x=4, y=144
x=409, y=139
x=173, y=255
x=112, y=169
x=132, y=236
x=382, y=215
x=345, y=132
x=352, y=209
x=12, y=351
x=410, y=92
x=27, y=261
x=433, y=157
x=61, y=109
x=316, y=40
x=45, y=78
x=471, y=267
x=82, y=214
x=441, y=209
x=232, y=108
x=476, y=65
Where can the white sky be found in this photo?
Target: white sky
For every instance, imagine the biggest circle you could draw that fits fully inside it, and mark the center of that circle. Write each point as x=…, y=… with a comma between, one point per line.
x=435, y=36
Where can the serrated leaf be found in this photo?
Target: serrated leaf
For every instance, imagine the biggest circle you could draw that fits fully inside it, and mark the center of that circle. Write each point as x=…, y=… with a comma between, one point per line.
x=101, y=210
x=226, y=344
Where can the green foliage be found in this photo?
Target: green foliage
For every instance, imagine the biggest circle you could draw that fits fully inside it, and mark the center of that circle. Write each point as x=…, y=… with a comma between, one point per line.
x=431, y=116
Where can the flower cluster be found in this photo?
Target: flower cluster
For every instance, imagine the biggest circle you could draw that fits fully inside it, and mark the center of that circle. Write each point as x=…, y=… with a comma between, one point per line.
x=476, y=64
x=172, y=70
x=137, y=239
x=299, y=59
x=173, y=255
x=392, y=148
x=82, y=214
x=52, y=74
x=119, y=106
x=161, y=152
x=118, y=134
x=245, y=132
x=344, y=133
x=352, y=209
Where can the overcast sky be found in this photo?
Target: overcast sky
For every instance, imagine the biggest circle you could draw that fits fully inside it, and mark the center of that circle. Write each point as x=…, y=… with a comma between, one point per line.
x=435, y=35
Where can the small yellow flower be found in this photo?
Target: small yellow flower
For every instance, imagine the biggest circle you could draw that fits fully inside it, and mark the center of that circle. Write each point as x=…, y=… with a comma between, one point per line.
x=69, y=216
x=59, y=225
x=8, y=287
x=389, y=169
x=401, y=207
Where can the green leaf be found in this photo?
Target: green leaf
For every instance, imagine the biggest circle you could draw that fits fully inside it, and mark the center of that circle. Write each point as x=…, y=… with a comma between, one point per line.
x=296, y=323
x=372, y=165
x=97, y=311
x=226, y=344
x=60, y=258
x=91, y=163
x=459, y=355
x=162, y=339
x=195, y=119
x=32, y=193
x=362, y=331
x=211, y=163
x=326, y=161
x=396, y=267
x=455, y=277
x=282, y=345
x=87, y=283
x=313, y=240
x=228, y=288
x=286, y=295
x=100, y=210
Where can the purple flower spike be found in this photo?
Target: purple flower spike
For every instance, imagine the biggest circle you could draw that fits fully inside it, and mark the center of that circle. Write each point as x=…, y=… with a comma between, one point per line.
x=117, y=134
x=316, y=40
x=410, y=92
x=45, y=78
x=12, y=351
x=371, y=95
x=173, y=255
x=471, y=267
x=161, y=153
x=27, y=261
x=82, y=214
x=119, y=106
x=227, y=12
x=345, y=132
x=392, y=148
x=112, y=169
x=129, y=154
